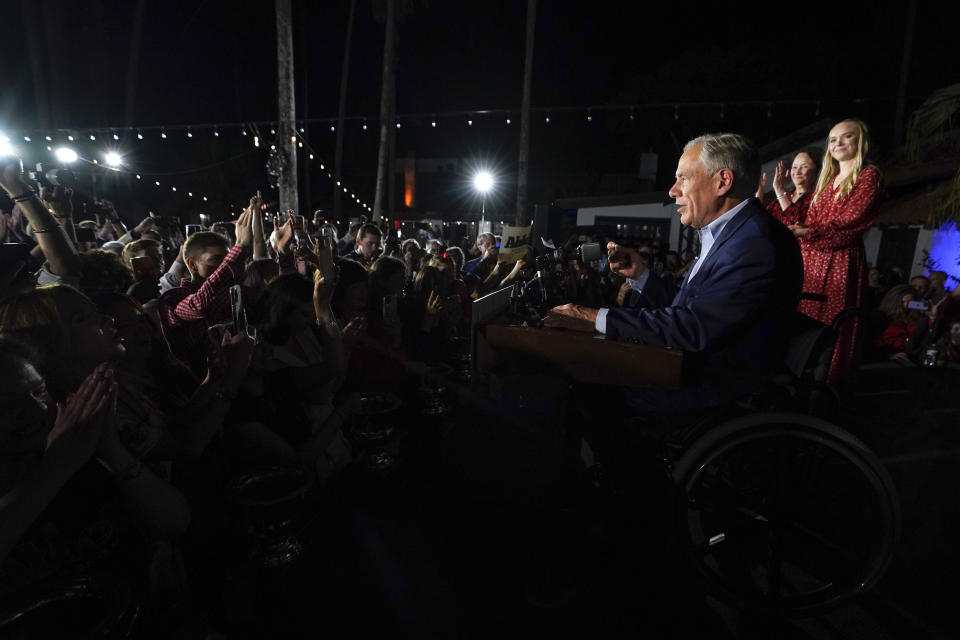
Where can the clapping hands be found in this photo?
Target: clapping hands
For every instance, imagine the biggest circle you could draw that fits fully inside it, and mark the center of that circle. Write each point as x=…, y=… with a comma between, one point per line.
x=80, y=421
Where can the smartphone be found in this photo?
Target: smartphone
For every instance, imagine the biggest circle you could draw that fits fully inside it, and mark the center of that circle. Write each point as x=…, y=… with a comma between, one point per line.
x=324, y=248
x=216, y=332
x=143, y=267
x=192, y=228
x=389, y=308
x=918, y=305
x=238, y=321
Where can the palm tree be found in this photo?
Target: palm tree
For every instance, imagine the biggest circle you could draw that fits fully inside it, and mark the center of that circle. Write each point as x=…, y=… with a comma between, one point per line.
x=338, y=153
x=935, y=130
x=393, y=13
x=522, y=165
x=387, y=106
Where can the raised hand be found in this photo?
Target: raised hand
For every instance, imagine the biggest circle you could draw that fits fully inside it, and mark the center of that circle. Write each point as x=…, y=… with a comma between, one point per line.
x=323, y=290
x=59, y=199
x=779, y=177
x=148, y=223
x=237, y=349
x=433, y=303
x=11, y=175
x=624, y=261
x=79, y=422
x=244, y=230
x=285, y=234
x=762, y=187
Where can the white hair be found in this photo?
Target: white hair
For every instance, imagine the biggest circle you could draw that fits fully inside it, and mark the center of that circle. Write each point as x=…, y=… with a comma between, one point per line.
x=730, y=151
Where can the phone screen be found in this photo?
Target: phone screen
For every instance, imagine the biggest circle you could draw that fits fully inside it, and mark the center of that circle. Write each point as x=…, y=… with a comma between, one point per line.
x=239, y=317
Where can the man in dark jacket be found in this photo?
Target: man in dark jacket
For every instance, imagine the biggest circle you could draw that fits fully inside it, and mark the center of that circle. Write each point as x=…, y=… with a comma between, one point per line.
x=734, y=308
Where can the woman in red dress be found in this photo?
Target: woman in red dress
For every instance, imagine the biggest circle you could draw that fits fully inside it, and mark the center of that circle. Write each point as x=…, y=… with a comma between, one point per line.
x=790, y=207
x=844, y=207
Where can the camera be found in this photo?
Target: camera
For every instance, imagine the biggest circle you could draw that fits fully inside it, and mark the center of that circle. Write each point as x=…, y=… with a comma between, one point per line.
x=548, y=287
x=52, y=177
x=585, y=253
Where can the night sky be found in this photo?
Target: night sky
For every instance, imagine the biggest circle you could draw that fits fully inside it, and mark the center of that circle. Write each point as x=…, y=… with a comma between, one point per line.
x=213, y=61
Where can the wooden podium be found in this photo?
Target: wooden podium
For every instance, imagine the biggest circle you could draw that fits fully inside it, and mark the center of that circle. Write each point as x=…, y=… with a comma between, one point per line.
x=585, y=357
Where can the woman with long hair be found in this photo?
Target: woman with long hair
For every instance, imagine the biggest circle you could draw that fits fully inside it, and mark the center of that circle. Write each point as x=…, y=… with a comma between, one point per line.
x=844, y=206
x=901, y=322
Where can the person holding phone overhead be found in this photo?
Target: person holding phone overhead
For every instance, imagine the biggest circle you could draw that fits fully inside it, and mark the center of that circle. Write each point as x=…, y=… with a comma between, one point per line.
x=203, y=299
x=844, y=206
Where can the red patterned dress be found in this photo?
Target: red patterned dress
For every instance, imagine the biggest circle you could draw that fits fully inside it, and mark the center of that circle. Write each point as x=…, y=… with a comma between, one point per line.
x=834, y=263
x=796, y=213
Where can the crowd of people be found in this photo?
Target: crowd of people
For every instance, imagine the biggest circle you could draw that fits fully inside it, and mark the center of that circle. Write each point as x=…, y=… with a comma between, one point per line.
x=136, y=350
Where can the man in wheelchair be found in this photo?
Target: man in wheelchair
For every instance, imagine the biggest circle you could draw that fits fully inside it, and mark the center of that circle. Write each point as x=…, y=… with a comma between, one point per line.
x=734, y=309
x=777, y=510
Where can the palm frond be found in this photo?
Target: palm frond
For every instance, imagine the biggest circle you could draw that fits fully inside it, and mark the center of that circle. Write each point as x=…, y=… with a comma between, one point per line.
x=932, y=120
x=947, y=208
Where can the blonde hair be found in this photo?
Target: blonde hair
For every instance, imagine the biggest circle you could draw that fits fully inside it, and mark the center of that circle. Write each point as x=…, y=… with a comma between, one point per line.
x=829, y=168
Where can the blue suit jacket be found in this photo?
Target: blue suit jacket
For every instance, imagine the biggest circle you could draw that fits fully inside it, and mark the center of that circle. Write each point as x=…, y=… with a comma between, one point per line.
x=656, y=294
x=735, y=313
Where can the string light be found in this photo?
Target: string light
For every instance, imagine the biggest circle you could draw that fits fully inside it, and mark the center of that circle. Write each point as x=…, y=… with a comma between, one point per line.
x=27, y=139
x=273, y=132
x=508, y=120
x=433, y=123
x=70, y=138
x=115, y=136
x=398, y=125
x=333, y=127
x=243, y=132
x=589, y=116
x=93, y=137
x=469, y=123
x=216, y=134
x=163, y=134
x=139, y=135
x=189, y=133
x=311, y=157
x=547, y=119
x=364, y=124
x=49, y=139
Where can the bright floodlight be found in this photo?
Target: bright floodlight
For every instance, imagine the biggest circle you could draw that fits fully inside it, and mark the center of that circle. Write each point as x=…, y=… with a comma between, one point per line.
x=113, y=159
x=483, y=182
x=6, y=149
x=66, y=154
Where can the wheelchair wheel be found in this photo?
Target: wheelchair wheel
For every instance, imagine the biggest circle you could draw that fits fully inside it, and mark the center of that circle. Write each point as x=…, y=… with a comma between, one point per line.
x=785, y=512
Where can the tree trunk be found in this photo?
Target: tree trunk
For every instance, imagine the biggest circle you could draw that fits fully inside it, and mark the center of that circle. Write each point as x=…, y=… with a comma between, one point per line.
x=380, y=204
x=287, y=109
x=341, y=112
x=898, y=126
x=523, y=218
x=133, y=63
